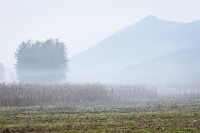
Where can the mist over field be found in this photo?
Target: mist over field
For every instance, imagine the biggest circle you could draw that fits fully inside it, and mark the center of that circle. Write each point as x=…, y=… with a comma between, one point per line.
x=152, y=52
x=158, y=49
x=99, y=66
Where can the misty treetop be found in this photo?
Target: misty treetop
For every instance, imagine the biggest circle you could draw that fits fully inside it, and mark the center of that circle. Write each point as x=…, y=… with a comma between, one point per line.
x=41, y=61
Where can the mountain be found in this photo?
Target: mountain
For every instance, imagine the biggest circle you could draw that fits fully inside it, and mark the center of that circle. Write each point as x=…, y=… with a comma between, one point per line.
x=180, y=67
x=143, y=41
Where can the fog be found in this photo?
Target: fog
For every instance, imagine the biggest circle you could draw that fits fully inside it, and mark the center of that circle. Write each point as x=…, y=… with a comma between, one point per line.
x=99, y=66
x=80, y=24
x=151, y=51
x=113, y=42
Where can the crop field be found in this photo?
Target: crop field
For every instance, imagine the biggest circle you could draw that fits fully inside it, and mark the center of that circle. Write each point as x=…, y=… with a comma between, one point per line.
x=95, y=108
x=165, y=116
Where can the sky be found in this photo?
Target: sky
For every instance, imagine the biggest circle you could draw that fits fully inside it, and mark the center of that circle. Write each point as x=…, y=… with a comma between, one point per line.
x=80, y=24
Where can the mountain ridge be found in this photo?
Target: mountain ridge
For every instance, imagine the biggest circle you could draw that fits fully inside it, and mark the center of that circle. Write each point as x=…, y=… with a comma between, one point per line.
x=145, y=40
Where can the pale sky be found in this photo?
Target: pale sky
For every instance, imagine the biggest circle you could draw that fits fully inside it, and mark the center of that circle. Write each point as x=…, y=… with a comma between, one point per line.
x=80, y=24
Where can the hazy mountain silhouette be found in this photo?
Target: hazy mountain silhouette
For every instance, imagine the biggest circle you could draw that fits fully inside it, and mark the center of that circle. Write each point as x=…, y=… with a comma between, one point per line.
x=180, y=67
x=138, y=43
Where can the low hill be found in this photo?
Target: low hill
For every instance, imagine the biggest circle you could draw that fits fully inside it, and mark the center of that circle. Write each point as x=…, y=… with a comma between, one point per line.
x=180, y=67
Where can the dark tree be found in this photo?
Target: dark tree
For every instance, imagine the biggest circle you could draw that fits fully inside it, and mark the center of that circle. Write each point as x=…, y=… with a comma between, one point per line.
x=2, y=74
x=41, y=61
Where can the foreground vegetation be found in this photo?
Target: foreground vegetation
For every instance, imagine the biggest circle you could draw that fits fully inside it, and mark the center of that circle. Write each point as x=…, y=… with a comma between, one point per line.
x=154, y=116
x=23, y=94
x=95, y=108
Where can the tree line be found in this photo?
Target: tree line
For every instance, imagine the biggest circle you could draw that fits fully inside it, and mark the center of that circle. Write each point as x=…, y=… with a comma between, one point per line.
x=2, y=72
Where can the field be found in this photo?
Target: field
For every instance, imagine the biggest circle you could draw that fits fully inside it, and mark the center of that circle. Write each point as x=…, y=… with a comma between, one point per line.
x=95, y=108
x=173, y=116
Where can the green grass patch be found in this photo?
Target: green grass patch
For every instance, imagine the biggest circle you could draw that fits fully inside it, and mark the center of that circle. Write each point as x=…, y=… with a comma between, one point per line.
x=101, y=120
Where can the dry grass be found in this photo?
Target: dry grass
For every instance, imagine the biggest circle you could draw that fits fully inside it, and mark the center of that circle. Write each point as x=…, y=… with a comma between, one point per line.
x=71, y=94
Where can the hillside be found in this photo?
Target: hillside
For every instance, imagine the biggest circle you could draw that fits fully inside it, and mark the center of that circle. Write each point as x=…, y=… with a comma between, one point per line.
x=180, y=67
x=143, y=41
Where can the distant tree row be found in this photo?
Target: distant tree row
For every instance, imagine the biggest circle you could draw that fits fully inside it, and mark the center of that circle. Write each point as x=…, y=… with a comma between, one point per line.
x=41, y=61
x=2, y=74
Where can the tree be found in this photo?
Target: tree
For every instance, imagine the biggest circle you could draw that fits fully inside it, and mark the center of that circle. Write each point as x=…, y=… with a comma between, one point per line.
x=2, y=73
x=41, y=61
